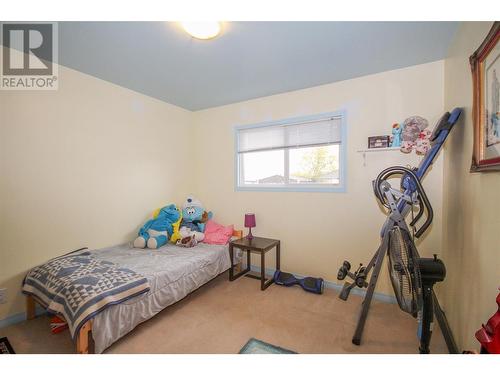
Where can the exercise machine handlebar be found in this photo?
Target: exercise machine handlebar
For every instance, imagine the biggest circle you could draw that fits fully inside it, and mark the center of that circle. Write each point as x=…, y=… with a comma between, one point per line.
x=413, y=185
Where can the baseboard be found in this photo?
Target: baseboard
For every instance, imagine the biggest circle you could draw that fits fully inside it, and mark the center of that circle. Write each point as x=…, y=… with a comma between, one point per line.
x=333, y=285
x=17, y=318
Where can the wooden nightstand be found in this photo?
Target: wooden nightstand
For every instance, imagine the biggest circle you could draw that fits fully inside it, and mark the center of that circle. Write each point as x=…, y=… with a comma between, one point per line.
x=257, y=245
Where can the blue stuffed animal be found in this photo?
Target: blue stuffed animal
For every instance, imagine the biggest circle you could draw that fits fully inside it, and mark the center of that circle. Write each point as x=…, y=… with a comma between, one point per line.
x=396, y=135
x=193, y=219
x=156, y=232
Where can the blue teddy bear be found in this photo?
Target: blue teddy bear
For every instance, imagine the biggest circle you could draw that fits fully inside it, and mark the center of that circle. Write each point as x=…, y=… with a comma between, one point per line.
x=156, y=232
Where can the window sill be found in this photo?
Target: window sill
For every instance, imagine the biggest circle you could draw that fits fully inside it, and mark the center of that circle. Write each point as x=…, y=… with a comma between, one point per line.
x=297, y=189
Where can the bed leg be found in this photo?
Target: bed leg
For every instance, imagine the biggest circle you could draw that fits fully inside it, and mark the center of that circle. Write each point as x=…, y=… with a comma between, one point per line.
x=30, y=307
x=83, y=338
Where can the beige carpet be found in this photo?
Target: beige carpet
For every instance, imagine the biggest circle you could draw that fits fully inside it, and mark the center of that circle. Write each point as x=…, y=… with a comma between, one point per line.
x=222, y=316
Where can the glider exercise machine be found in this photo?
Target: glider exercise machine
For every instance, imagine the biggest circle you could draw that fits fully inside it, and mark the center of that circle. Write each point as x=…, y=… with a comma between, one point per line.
x=412, y=277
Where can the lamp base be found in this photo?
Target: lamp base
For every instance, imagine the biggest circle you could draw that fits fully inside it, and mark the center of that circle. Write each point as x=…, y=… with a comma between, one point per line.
x=249, y=235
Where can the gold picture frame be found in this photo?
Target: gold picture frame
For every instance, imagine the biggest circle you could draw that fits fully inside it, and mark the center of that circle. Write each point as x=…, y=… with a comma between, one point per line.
x=485, y=66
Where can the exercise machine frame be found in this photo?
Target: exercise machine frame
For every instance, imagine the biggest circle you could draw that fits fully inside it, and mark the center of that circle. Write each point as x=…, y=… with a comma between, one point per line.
x=400, y=203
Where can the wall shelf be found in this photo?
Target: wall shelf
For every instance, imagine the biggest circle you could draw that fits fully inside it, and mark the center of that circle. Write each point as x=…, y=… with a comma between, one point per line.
x=379, y=149
x=382, y=149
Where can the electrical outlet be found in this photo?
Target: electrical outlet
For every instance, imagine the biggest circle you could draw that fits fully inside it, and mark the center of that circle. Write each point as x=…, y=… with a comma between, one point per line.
x=3, y=295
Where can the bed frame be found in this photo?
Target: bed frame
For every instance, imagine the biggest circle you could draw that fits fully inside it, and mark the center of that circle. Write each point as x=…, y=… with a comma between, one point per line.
x=84, y=341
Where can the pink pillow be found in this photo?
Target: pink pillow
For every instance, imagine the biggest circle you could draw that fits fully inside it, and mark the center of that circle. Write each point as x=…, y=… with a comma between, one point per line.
x=217, y=234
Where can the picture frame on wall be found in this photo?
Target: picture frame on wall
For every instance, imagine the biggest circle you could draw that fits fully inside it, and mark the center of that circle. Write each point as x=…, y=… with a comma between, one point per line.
x=485, y=66
x=379, y=141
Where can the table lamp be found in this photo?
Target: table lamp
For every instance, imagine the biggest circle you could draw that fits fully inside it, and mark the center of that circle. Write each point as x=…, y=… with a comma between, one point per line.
x=249, y=223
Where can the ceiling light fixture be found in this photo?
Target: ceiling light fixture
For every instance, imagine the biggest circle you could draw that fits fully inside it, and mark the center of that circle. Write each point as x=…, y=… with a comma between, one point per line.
x=202, y=30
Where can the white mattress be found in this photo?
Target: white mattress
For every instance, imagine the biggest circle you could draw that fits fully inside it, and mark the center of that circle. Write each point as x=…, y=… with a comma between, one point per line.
x=173, y=272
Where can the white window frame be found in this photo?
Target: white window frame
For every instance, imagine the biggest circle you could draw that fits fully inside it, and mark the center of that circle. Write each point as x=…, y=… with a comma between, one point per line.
x=338, y=188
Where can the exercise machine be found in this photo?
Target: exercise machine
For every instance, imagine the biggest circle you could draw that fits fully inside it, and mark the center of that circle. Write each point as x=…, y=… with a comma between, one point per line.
x=309, y=284
x=412, y=277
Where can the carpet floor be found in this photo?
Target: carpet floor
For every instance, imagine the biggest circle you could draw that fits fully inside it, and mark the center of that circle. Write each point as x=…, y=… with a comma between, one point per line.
x=222, y=316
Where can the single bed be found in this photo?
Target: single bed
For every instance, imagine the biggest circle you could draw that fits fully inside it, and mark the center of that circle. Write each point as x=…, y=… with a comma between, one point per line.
x=172, y=272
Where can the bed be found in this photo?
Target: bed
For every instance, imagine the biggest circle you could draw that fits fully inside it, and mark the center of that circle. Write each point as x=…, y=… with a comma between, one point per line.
x=172, y=272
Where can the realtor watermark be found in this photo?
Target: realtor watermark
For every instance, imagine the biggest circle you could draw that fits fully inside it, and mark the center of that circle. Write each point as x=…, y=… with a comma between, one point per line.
x=29, y=55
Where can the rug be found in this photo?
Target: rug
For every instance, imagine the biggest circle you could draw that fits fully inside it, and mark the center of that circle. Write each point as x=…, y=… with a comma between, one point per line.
x=254, y=346
x=5, y=347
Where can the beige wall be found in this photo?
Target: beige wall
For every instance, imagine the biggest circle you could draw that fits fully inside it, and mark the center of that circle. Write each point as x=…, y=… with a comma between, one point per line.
x=85, y=165
x=82, y=166
x=471, y=205
x=319, y=230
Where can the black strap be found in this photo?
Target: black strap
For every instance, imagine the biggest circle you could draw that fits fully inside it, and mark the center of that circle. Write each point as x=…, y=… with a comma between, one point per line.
x=442, y=124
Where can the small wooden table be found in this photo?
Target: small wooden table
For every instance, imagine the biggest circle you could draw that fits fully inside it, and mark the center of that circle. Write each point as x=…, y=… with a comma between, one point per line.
x=257, y=245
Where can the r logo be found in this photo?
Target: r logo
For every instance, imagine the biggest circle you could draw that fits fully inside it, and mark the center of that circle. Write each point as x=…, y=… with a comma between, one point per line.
x=28, y=49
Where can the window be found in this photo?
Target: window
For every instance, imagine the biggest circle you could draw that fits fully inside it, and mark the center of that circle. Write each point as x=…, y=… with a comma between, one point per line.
x=301, y=154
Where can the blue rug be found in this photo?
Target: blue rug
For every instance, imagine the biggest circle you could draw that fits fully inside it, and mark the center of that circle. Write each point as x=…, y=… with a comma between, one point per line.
x=254, y=346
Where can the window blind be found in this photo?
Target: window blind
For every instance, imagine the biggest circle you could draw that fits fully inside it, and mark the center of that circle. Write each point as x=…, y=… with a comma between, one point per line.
x=320, y=132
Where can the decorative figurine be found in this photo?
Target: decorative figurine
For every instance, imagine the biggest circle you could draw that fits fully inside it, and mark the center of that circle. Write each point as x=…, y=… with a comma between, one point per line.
x=396, y=135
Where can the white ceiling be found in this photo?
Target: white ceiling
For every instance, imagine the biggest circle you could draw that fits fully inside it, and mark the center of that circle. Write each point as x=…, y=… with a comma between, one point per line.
x=248, y=60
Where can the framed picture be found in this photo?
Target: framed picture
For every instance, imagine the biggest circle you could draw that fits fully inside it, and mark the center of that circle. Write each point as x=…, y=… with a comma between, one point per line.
x=379, y=141
x=485, y=65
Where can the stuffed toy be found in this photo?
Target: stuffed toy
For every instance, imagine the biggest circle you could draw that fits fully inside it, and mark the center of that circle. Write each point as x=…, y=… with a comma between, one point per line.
x=176, y=235
x=188, y=241
x=157, y=231
x=194, y=218
x=396, y=135
x=423, y=142
x=412, y=127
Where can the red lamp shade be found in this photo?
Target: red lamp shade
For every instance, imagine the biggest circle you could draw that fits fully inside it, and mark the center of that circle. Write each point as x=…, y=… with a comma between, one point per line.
x=249, y=223
x=249, y=220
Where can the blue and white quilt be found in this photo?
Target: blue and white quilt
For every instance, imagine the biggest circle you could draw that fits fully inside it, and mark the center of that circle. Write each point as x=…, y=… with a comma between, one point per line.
x=78, y=286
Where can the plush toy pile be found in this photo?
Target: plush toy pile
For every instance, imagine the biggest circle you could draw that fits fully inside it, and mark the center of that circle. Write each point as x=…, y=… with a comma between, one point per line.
x=415, y=135
x=182, y=227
